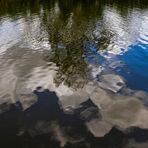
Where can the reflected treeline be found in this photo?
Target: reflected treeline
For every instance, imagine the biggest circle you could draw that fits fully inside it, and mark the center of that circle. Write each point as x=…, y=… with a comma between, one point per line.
x=12, y=7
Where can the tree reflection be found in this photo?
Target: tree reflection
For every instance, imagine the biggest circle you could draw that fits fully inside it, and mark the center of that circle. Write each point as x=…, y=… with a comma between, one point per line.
x=72, y=68
x=70, y=28
x=12, y=7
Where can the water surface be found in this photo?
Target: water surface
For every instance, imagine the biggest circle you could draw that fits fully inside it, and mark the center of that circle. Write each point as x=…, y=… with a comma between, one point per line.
x=77, y=50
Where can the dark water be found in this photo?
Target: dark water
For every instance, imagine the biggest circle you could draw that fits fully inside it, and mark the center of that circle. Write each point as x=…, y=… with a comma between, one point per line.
x=74, y=73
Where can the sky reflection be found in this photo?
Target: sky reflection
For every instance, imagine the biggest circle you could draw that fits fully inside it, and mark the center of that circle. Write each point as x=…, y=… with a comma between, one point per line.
x=84, y=53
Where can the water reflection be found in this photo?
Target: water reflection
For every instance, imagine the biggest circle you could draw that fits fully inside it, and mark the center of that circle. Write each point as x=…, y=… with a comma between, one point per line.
x=89, y=54
x=46, y=124
x=138, y=68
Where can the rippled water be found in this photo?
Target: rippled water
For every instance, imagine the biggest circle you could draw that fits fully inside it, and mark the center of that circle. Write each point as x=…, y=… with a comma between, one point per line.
x=78, y=49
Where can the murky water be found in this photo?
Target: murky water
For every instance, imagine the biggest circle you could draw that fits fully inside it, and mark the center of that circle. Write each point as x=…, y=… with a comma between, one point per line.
x=78, y=50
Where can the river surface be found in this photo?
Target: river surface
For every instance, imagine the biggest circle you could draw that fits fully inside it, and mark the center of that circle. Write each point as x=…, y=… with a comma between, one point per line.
x=72, y=51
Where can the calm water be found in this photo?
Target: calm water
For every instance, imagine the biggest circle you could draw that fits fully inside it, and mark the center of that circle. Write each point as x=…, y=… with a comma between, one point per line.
x=77, y=49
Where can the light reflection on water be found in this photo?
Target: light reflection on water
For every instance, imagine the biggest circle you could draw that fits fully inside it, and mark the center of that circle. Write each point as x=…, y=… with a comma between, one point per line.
x=73, y=42
x=79, y=50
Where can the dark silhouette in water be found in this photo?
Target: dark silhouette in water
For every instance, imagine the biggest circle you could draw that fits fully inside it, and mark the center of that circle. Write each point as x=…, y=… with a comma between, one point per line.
x=9, y=126
x=46, y=108
x=17, y=125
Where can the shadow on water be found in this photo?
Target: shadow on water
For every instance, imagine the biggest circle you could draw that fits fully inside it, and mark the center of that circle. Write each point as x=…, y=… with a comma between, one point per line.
x=46, y=109
x=36, y=126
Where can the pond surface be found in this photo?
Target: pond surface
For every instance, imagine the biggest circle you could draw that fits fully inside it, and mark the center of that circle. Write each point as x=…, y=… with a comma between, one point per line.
x=75, y=53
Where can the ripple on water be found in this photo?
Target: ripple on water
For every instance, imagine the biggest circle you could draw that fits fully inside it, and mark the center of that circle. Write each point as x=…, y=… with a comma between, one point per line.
x=117, y=45
x=136, y=60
